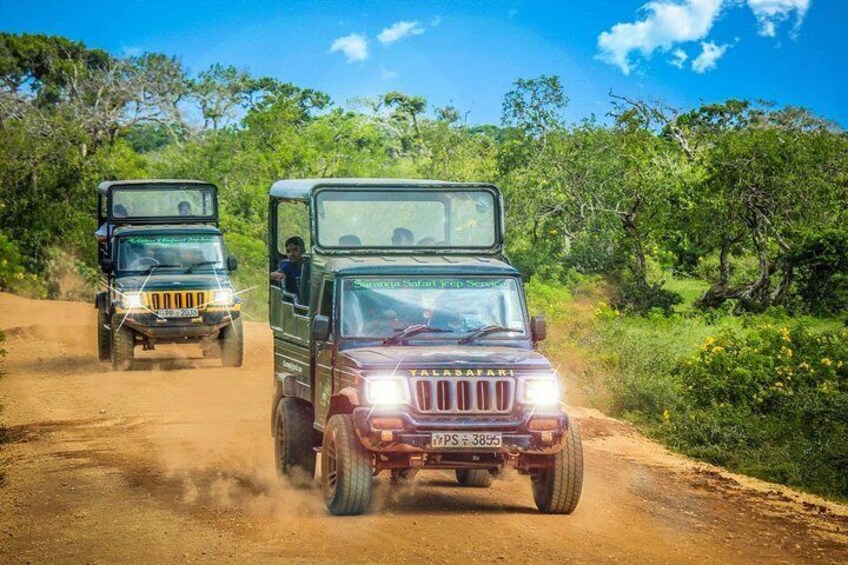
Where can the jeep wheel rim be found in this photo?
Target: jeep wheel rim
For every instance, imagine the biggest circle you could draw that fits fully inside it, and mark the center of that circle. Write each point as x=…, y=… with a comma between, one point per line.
x=330, y=466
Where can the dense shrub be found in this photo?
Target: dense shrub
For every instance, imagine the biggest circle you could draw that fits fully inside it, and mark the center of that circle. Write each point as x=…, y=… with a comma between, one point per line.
x=772, y=402
x=822, y=271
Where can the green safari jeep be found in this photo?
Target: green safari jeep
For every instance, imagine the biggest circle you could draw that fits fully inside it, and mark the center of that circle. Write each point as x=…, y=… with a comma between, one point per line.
x=164, y=271
x=407, y=345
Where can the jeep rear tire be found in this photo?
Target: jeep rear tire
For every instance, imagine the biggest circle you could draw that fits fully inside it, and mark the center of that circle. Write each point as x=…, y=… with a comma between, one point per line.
x=104, y=337
x=557, y=487
x=475, y=478
x=346, y=468
x=294, y=438
x=232, y=344
x=122, y=344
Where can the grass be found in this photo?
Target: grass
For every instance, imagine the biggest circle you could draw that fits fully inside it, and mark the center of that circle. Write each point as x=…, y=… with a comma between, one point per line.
x=689, y=289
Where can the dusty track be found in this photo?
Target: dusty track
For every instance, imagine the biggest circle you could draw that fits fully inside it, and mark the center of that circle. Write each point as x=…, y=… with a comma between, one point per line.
x=173, y=463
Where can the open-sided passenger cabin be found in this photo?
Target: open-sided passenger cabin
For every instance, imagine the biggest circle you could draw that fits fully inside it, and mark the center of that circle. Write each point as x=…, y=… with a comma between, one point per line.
x=371, y=225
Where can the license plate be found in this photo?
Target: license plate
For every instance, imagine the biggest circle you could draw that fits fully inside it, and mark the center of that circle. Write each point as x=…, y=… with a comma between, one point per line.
x=463, y=440
x=177, y=313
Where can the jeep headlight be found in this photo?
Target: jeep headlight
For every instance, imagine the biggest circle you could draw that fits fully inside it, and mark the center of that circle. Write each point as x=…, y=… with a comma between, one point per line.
x=541, y=391
x=222, y=297
x=387, y=391
x=133, y=300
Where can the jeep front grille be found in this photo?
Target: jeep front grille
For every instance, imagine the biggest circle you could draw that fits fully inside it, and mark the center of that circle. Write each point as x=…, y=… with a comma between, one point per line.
x=483, y=395
x=160, y=300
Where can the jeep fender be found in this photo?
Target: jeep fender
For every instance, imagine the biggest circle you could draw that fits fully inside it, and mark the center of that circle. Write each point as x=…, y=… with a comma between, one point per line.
x=343, y=402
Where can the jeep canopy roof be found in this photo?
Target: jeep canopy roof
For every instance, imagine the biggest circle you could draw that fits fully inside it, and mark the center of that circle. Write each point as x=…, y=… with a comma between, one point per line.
x=415, y=265
x=158, y=201
x=389, y=216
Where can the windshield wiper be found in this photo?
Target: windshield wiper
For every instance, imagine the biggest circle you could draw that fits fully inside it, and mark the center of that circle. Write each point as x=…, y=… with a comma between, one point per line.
x=200, y=264
x=152, y=268
x=486, y=330
x=412, y=330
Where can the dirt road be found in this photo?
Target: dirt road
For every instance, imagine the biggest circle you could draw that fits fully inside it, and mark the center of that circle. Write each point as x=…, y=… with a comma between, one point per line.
x=173, y=463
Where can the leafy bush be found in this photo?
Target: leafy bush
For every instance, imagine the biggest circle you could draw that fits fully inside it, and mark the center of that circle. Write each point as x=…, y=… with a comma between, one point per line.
x=822, y=271
x=772, y=402
x=13, y=275
x=642, y=297
x=550, y=298
x=742, y=268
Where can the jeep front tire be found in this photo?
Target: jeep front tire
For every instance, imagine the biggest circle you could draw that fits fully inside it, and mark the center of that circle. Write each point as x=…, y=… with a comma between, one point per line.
x=104, y=337
x=232, y=344
x=557, y=486
x=122, y=346
x=346, y=468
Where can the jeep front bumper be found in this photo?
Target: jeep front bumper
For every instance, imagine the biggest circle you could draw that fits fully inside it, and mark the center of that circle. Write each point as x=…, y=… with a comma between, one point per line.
x=208, y=322
x=414, y=435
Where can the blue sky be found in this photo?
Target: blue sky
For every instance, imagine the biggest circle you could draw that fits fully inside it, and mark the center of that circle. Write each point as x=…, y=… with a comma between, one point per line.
x=683, y=52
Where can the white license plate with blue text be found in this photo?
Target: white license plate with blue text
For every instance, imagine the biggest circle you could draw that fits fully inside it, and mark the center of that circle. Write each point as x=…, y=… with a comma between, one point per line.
x=177, y=313
x=465, y=440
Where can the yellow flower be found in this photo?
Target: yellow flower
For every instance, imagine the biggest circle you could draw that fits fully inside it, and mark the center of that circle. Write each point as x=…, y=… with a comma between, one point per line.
x=785, y=332
x=666, y=416
x=717, y=348
x=827, y=362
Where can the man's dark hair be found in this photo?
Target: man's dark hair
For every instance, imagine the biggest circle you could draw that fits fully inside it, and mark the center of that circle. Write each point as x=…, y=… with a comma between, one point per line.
x=402, y=234
x=296, y=240
x=184, y=205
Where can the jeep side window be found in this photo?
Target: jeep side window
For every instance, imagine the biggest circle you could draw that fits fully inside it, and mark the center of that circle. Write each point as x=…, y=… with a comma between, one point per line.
x=326, y=308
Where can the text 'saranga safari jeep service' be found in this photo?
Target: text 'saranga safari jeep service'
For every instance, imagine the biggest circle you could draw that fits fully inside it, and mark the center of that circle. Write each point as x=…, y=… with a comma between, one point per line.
x=164, y=271
x=407, y=345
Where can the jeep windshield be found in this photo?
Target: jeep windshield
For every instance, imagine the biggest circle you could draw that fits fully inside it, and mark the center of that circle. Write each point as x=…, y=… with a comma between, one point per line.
x=187, y=253
x=403, y=218
x=441, y=307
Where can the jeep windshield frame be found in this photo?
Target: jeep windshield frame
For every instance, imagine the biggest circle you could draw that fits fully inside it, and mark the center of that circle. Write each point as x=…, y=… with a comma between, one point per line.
x=444, y=219
x=153, y=202
x=455, y=305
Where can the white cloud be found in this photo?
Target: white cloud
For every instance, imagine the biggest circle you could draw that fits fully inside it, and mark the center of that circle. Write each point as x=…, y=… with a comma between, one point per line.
x=772, y=13
x=354, y=47
x=710, y=54
x=386, y=74
x=436, y=21
x=679, y=57
x=399, y=30
x=666, y=23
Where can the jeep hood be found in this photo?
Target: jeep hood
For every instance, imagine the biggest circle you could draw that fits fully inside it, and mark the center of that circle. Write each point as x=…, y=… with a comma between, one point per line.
x=174, y=281
x=453, y=356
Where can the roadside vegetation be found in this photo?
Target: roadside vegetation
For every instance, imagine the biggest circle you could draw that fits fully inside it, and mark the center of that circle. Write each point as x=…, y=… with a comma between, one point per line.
x=693, y=262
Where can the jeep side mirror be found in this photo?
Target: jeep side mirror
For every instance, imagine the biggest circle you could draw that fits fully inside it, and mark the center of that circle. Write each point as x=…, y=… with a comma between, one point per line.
x=320, y=328
x=106, y=265
x=232, y=263
x=538, y=329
